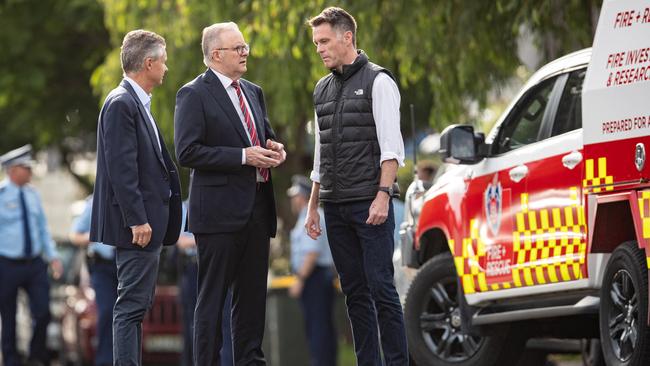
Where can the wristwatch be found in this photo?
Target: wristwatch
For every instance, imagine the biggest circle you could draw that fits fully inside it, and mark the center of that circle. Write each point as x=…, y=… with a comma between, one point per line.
x=388, y=190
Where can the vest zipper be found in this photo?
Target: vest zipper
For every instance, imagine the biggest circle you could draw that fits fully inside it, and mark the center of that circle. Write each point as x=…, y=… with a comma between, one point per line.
x=336, y=129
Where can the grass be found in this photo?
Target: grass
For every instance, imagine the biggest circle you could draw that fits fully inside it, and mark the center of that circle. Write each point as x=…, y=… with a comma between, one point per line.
x=346, y=354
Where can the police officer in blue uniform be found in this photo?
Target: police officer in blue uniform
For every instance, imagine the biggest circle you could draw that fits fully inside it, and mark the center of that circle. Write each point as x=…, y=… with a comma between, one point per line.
x=188, y=283
x=25, y=250
x=312, y=264
x=103, y=278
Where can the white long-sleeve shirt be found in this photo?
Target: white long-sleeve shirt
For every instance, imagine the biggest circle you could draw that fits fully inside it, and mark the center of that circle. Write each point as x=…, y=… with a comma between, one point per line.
x=232, y=94
x=385, y=110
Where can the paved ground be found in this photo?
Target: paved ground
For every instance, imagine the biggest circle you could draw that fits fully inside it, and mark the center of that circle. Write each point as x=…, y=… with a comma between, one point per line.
x=576, y=362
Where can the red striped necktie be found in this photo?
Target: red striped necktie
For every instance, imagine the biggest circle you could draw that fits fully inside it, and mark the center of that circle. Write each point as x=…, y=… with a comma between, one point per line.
x=264, y=172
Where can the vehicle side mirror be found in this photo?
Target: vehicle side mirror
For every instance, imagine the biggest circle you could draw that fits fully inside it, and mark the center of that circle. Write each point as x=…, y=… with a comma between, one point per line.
x=460, y=145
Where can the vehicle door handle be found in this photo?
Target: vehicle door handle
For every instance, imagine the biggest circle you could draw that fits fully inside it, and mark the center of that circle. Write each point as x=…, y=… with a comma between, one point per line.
x=571, y=160
x=518, y=173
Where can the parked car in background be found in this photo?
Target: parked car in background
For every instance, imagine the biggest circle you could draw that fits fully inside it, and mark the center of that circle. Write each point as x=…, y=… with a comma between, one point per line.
x=404, y=250
x=162, y=340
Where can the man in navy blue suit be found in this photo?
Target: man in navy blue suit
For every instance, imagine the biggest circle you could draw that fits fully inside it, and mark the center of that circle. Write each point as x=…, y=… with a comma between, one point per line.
x=223, y=134
x=136, y=203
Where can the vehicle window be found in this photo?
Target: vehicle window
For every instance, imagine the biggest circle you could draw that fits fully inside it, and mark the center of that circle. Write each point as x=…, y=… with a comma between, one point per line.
x=522, y=127
x=569, y=112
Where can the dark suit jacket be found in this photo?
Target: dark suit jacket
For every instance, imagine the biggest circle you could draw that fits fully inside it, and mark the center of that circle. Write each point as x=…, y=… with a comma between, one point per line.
x=209, y=138
x=134, y=177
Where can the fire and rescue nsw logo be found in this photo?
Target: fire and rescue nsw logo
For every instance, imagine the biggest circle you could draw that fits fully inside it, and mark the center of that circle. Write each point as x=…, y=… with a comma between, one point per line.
x=493, y=205
x=497, y=262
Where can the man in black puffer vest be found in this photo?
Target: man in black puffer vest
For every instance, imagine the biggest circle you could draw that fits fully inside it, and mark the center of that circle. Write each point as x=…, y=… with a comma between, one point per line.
x=358, y=150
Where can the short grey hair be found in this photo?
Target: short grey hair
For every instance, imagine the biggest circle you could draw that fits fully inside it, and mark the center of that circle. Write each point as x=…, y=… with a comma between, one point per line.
x=212, y=38
x=137, y=46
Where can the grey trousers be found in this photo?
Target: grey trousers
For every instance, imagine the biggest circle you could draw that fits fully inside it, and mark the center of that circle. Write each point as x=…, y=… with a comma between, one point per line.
x=137, y=271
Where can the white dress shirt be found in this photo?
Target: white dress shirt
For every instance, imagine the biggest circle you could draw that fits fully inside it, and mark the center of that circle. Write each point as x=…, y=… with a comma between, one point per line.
x=232, y=93
x=145, y=99
x=385, y=111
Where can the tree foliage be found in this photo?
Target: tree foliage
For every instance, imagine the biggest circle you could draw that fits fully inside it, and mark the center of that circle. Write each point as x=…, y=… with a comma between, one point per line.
x=49, y=50
x=444, y=53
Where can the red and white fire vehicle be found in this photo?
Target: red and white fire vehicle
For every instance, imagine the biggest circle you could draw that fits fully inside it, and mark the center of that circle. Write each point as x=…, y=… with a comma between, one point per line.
x=542, y=228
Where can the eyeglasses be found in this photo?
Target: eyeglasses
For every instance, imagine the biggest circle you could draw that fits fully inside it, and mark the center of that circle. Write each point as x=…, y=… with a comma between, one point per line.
x=245, y=48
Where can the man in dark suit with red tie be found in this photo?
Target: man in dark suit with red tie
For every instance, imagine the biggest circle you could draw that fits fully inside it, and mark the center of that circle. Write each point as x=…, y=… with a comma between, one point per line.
x=223, y=134
x=136, y=203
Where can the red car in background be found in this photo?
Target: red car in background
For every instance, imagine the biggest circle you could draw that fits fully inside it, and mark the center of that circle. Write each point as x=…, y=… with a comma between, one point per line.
x=162, y=339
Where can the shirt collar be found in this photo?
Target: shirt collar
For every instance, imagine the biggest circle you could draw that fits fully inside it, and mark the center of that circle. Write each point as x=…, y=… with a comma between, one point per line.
x=145, y=98
x=225, y=81
x=8, y=184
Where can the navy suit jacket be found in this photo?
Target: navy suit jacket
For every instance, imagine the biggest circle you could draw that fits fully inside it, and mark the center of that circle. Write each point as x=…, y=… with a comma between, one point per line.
x=136, y=182
x=209, y=137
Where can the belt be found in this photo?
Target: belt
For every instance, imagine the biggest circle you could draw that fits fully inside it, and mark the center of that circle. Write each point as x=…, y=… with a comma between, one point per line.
x=20, y=260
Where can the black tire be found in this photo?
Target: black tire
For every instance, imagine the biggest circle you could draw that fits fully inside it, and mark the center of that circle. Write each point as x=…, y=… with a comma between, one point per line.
x=432, y=323
x=624, y=334
x=592, y=353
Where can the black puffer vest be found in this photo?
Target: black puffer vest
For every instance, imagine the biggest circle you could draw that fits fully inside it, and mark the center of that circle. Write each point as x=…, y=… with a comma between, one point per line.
x=349, y=149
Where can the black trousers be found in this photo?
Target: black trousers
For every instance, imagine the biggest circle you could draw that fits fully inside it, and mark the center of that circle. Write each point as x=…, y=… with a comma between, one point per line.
x=363, y=257
x=187, y=298
x=31, y=276
x=240, y=259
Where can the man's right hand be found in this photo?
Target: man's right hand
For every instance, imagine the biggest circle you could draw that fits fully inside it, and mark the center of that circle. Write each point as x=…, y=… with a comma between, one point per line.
x=260, y=157
x=312, y=224
x=141, y=235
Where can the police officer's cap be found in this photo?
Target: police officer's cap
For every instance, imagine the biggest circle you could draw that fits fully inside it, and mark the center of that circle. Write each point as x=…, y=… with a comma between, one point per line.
x=299, y=185
x=21, y=156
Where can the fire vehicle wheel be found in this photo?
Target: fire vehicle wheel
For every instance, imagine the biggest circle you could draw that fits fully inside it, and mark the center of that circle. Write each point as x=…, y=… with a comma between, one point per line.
x=624, y=334
x=592, y=354
x=433, y=323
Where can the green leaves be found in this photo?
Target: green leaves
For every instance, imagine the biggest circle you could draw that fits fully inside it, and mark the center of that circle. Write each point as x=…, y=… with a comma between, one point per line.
x=49, y=51
x=445, y=55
